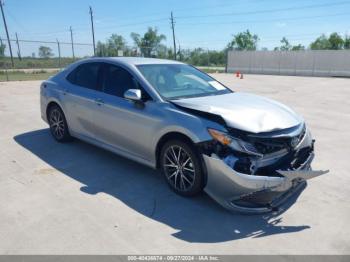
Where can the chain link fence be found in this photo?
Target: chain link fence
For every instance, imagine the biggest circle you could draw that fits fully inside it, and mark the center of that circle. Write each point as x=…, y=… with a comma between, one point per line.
x=36, y=60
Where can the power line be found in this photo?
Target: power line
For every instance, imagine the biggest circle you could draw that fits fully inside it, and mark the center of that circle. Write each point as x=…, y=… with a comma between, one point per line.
x=270, y=37
x=265, y=20
x=132, y=24
x=19, y=24
x=268, y=10
x=45, y=42
x=7, y=33
x=190, y=9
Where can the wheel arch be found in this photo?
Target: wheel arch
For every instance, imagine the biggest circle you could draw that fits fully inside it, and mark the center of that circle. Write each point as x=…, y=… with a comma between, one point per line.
x=49, y=105
x=175, y=135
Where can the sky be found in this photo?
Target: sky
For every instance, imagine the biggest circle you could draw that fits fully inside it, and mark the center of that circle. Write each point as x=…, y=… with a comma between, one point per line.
x=209, y=24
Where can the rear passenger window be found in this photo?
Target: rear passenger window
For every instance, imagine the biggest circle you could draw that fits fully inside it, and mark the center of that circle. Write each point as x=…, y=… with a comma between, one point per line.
x=86, y=75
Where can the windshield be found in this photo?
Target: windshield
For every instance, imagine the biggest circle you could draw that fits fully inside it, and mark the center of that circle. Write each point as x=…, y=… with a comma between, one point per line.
x=174, y=81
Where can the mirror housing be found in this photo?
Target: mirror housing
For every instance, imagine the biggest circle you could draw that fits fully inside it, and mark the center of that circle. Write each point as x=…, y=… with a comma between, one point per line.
x=133, y=95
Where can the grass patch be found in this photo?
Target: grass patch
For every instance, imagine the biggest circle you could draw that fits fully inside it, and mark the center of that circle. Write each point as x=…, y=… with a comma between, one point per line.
x=212, y=71
x=28, y=62
x=25, y=76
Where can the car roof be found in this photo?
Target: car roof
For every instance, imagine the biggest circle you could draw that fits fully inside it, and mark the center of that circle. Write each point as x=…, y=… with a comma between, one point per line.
x=134, y=60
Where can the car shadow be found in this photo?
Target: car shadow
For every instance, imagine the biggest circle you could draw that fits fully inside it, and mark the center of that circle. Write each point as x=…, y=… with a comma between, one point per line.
x=143, y=189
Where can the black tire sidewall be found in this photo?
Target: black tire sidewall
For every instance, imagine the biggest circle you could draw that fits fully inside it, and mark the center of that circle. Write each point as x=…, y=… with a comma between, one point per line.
x=199, y=176
x=66, y=136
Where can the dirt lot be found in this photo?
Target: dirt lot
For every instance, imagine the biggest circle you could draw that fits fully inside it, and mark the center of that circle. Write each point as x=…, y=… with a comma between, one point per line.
x=78, y=199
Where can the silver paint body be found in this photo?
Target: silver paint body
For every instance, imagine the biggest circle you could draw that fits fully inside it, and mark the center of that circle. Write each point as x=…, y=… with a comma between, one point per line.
x=246, y=111
x=119, y=125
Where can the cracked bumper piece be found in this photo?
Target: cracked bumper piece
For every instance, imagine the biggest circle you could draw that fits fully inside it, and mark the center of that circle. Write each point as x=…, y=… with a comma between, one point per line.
x=252, y=193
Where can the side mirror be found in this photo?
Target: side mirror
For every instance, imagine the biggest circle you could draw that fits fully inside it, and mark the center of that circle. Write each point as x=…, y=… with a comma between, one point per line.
x=133, y=95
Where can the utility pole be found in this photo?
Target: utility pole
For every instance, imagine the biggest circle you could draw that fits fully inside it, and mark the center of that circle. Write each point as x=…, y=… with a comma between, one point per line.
x=173, y=28
x=59, y=53
x=93, y=30
x=18, y=49
x=7, y=33
x=71, y=39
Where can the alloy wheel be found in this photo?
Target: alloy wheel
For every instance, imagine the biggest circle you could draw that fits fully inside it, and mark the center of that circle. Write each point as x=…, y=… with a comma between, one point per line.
x=57, y=123
x=179, y=168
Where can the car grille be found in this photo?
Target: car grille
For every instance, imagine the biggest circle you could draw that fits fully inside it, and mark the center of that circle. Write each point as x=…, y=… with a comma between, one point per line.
x=266, y=145
x=270, y=142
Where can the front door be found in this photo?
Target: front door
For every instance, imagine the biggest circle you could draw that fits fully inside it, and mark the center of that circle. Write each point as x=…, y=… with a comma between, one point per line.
x=123, y=124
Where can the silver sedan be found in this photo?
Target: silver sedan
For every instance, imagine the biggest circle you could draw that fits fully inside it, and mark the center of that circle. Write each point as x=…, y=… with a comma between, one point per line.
x=247, y=152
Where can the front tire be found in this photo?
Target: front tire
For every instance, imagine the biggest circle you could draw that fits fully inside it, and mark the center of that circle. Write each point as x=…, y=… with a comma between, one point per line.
x=181, y=167
x=58, y=124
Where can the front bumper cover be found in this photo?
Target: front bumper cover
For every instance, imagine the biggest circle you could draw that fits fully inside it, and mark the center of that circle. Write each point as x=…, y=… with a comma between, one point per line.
x=253, y=193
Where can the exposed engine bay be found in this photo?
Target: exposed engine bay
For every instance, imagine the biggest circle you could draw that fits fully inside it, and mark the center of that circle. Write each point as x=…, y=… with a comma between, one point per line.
x=258, y=172
x=263, y=154
x=260, y=158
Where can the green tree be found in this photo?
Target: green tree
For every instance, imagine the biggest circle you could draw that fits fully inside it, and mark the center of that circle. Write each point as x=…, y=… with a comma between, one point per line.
x=244, y=41
x=333, y=42
x=2, y=49
x=286, y=46
x=298, y=47
x=101, y=49
x=149, y=43
x=336, y=41
x=321, y=43
x=347, y=42
x=113, y=44
x=45, y=52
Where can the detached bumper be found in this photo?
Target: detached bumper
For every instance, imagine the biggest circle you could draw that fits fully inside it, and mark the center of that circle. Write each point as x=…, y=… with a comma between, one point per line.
x=253, y=193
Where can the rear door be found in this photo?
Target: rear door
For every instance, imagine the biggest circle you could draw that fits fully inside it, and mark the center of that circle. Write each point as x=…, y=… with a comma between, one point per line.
x=82, y=97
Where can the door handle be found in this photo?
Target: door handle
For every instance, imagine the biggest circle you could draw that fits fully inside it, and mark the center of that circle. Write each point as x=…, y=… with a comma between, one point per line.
x=99, y=101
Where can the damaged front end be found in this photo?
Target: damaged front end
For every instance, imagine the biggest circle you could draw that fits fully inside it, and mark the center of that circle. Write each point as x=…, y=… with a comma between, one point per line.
x=256, y=173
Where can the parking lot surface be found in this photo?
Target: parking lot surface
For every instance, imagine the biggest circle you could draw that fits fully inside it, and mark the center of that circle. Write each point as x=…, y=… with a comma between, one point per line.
x=78, y=199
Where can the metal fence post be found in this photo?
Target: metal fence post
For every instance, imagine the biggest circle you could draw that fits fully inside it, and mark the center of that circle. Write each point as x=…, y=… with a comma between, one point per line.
x=279, y=62
x=295, y=61
x=313, y=62
x=7, y=75
x=226, y=62
x=18, y=48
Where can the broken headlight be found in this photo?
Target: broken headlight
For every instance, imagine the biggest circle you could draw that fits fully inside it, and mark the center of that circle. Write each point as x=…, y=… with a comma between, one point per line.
x=234, y=143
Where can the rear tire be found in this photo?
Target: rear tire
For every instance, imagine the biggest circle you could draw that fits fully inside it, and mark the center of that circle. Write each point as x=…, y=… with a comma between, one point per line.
x=181, y=167
x=58, y=124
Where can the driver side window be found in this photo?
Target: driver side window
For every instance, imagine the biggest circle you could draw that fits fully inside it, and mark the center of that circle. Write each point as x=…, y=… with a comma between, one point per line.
x=117, y=80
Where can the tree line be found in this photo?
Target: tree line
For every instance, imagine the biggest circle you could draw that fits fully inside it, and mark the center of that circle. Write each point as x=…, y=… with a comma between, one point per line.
x=150, y=44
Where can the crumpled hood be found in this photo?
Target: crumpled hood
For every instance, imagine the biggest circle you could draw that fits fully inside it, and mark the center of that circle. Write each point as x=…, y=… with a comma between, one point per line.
x=245, y=111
